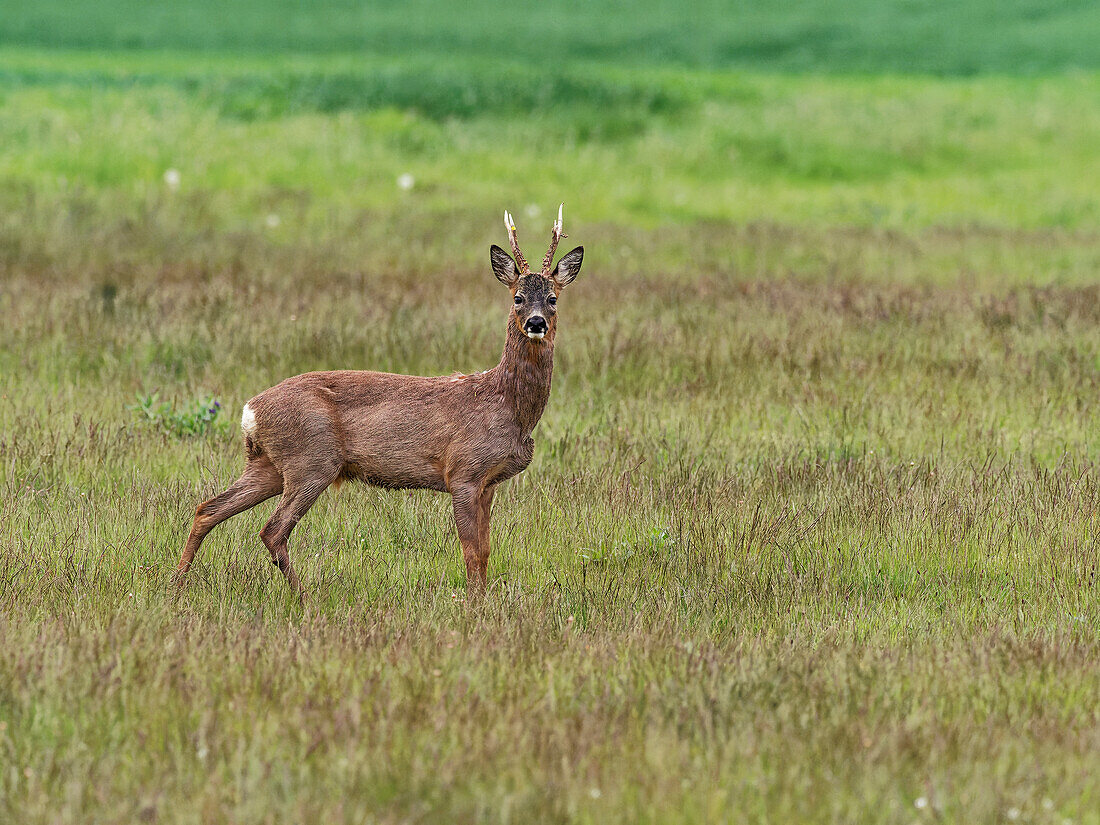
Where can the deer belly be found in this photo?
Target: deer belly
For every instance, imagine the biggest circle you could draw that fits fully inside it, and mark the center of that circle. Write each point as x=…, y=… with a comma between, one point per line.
x=389, y=446
x=406, y=468
x=396, y=475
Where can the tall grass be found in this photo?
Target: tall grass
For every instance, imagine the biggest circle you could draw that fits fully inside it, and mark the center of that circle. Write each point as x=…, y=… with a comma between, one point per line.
x=793, y=547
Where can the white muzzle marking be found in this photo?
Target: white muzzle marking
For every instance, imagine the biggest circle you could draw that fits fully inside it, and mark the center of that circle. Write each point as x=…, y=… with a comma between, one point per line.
x=536, y=336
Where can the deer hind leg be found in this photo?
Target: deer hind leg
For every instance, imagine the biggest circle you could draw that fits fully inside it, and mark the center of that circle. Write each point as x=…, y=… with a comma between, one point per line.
x=259, y=482
x=467, y=507
x=485, y=506
x=298, y=497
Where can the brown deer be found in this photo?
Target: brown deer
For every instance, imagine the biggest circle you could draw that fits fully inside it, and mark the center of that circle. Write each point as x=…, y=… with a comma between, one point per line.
x=459, y=434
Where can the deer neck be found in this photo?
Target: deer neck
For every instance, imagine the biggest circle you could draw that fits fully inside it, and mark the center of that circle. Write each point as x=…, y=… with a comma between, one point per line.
x=523, y=375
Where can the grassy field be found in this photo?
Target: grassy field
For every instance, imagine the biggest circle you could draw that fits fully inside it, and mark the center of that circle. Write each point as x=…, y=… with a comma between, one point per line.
x=811, y=530
x=961, y=39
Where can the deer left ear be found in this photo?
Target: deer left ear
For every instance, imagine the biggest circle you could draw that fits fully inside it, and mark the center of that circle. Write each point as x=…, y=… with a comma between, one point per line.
x=503, y=266
x=568, y=267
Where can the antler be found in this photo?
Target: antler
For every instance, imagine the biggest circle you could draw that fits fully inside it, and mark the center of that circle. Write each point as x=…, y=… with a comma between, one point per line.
x=510, y=225
x=556, y=236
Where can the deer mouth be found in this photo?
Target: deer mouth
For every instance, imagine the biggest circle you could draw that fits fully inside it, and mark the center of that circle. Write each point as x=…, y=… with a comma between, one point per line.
x=535, y=336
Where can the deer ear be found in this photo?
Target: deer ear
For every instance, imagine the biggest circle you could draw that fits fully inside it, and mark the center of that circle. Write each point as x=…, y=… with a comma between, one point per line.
x=568, y=267
x=503, y=265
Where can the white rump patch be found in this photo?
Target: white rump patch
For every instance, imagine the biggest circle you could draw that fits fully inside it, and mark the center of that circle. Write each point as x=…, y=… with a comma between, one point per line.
x=248, y=421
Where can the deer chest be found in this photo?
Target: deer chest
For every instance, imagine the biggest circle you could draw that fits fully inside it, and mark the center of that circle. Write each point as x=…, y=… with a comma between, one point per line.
x=515, y=461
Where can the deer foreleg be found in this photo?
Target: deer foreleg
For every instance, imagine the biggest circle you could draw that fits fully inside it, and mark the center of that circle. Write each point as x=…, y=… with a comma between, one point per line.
x=467, y=507
x=485, y=506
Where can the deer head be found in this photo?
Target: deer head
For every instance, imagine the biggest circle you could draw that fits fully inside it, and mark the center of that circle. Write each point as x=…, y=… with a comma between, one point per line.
x=535, y=295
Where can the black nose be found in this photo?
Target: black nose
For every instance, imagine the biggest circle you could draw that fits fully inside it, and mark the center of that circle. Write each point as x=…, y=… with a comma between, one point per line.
x=536, y=323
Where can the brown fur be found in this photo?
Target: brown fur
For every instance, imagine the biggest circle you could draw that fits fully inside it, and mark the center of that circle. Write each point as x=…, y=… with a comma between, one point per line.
x=461, y=434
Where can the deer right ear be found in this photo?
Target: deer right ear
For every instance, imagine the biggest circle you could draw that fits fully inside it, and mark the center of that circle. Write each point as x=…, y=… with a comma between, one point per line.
x=503, y=266
x=568, y=267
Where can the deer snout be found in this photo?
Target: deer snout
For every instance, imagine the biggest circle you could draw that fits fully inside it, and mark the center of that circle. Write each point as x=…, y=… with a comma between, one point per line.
x=535, y=326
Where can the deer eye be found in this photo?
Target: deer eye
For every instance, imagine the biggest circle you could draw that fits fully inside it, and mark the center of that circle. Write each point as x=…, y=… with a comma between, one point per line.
x=552, y=300
x=519, y=300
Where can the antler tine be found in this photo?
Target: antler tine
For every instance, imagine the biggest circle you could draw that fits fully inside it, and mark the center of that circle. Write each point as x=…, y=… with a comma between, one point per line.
x=510, y=225
x=555, y=236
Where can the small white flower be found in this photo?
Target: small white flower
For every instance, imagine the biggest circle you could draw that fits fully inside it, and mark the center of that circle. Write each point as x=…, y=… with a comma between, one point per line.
x=406, y=182
x=595, y=793
x=272, y=221
x=1013, y=813
x=921, y=802
x=1048, y=804
x=172, y=179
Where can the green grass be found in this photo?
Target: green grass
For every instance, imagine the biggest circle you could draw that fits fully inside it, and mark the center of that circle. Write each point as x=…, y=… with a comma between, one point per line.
x=321, y=141
x=792, y=548
x=811, y=530
x=959, y=39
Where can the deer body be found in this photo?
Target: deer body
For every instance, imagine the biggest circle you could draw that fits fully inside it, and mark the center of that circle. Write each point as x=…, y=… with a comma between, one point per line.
x=404, y=431
x=461, y=434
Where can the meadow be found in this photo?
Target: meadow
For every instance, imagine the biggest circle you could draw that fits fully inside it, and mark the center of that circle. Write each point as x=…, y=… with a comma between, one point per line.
x=810, y=534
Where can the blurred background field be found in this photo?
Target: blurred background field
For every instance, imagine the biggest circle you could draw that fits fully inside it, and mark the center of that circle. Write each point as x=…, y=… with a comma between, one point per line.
x=897, y=36
x=903, y=114
x=810, y=534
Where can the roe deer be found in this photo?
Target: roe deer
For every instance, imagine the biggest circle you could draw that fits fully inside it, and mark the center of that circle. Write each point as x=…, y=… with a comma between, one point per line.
x=460, y=434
